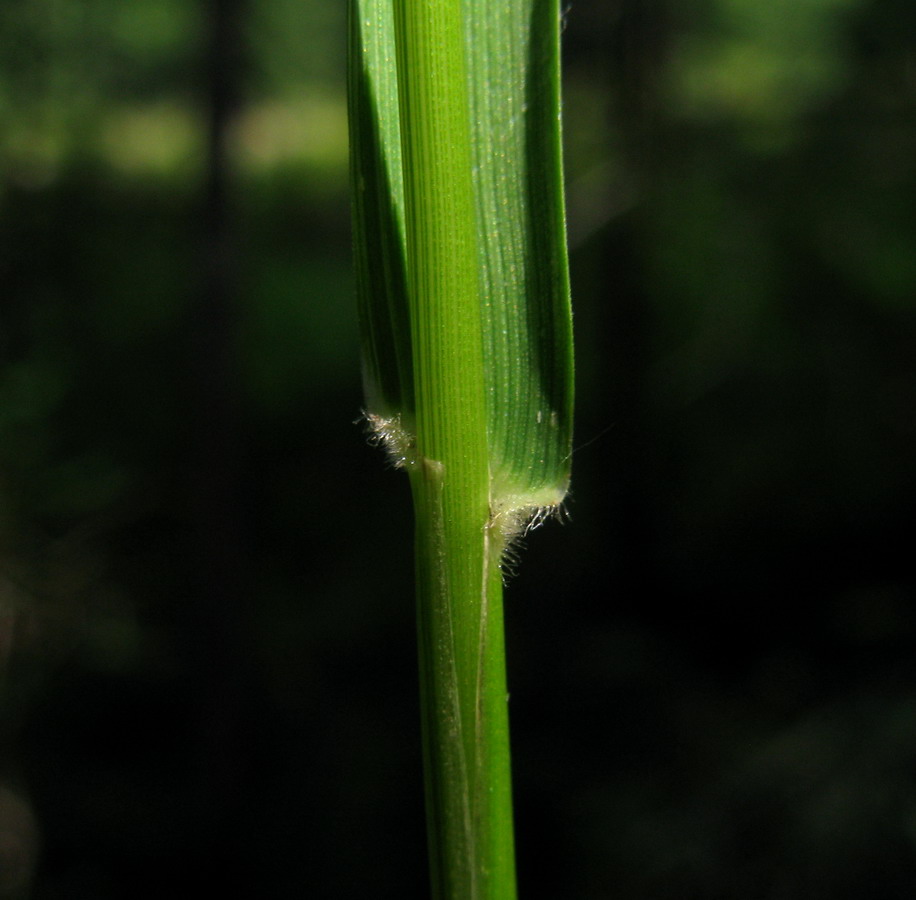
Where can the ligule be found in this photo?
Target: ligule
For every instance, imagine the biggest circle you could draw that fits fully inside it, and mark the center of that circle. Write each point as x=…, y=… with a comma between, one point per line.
x=399, y=444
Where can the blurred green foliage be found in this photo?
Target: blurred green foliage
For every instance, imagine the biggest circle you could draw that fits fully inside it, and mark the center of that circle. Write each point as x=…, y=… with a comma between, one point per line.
x=205, y=615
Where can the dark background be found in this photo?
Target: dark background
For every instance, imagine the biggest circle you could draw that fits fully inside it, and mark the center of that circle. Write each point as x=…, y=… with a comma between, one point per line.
x=206, y=623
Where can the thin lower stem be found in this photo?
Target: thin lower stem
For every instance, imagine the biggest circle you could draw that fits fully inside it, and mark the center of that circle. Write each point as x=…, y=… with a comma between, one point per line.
x=464, y=715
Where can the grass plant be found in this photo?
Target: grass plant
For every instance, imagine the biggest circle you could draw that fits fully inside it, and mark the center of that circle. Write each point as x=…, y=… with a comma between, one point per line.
x=466, y=335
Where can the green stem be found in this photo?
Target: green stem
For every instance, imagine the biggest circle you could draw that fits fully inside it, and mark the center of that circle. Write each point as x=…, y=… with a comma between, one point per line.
x=459, y=597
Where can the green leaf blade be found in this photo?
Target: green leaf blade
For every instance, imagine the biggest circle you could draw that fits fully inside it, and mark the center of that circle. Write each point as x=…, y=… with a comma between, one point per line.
x=379, y=241
x=512, y=49
x=513, y=65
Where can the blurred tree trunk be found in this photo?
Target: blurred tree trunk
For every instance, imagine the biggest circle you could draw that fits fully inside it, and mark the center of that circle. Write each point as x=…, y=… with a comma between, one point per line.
x=219, y=642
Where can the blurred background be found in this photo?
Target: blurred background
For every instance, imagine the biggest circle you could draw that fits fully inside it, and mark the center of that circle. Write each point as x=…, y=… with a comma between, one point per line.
x=206, y=621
